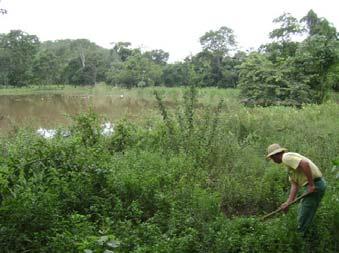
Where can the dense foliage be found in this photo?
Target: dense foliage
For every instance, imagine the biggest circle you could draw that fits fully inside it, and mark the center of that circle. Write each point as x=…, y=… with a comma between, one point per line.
x=24, y=60
x=289, y=72
x=193, y=180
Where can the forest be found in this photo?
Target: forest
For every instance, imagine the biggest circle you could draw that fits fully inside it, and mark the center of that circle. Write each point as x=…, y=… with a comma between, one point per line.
x=288, y=70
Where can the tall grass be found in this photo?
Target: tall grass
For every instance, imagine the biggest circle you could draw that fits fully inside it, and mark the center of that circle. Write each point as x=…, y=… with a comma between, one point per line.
x=193, y=179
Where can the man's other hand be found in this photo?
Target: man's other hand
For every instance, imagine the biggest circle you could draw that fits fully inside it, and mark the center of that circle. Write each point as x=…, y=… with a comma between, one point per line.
x=310, y=188
x=284, y=206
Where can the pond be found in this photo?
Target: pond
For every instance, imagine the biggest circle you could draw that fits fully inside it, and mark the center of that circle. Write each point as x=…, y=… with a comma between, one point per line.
x=50, y=111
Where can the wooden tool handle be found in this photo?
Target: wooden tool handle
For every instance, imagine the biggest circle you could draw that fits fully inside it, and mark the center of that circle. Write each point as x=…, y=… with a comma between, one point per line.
x=279, y=209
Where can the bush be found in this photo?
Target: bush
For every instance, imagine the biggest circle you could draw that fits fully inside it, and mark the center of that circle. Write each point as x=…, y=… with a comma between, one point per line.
x=264, y=83
x=195, y=181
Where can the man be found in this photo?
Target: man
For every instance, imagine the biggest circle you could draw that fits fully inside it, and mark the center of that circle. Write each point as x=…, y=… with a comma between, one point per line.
x=302, y=173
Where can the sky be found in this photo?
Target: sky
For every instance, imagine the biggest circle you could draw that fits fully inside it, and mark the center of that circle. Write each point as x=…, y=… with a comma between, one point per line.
x=174, y=26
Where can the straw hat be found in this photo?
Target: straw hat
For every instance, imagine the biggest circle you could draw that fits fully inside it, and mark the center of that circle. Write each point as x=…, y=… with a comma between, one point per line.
x=274, y=149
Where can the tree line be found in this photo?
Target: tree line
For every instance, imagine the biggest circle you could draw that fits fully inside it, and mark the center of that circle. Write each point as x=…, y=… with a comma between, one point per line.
x=284, y=71
x=25, y=61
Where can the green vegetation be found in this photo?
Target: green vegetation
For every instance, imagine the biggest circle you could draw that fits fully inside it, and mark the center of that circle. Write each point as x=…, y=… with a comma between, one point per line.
x=207, y=96
x=193, y=177
x=192, y=180
x=285, y=71
x=289, y=72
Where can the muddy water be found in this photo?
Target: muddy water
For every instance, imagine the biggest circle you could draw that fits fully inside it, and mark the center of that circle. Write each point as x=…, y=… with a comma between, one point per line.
x=48, y=111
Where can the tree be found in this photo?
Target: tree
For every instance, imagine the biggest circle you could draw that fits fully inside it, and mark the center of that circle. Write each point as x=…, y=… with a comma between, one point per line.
x=4, y=67
x=176, y=74
x=45, y=68
x=19, y=49
x=76, y=74
x=102, y=61
x=84, y=50
x=221, y=41
x=289, y=26
x=157, y=56
x=231, y=70
x=137, y=70
x=319, y=26
x=122, y=50
x=203, y=72
x=313, y=61
x=321, y=54
x=211, y=66
x=333, y=76
x=293, y=77
x=279, y=51
x=214, y=66
x=264, y=83
x=283, y=46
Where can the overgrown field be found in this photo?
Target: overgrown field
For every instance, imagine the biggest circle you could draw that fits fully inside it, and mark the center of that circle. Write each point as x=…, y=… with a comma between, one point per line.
x=193, y=179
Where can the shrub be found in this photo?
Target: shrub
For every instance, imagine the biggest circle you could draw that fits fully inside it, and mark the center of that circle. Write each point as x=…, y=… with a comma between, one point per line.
x=195, y=181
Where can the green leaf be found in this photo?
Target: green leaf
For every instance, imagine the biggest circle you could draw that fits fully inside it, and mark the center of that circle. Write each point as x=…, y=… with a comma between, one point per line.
x=335, y=162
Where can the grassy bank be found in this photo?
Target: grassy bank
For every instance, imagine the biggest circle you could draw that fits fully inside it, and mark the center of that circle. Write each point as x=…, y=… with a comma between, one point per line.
x=193, y=179
x=102, y=89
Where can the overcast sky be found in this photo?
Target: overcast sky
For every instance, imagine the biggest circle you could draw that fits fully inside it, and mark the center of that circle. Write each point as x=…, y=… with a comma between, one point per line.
x=172, y=25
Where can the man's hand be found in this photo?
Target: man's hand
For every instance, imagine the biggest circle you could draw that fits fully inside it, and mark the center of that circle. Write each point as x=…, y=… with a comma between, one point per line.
x=284, y=206
x=310, y=188
x=291, y=197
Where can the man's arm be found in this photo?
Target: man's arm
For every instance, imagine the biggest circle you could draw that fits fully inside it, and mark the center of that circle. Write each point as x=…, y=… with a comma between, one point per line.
x=293, y=193
x=306, y=169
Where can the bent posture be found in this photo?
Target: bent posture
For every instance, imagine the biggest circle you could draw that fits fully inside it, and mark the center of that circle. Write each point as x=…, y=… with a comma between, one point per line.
x=302, y=173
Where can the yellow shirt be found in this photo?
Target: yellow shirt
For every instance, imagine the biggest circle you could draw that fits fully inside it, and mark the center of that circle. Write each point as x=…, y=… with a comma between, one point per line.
x=292, y=160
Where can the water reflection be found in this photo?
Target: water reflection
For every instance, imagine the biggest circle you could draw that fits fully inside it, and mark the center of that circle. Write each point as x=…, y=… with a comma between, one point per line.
x=107, y=129
x=49, y=111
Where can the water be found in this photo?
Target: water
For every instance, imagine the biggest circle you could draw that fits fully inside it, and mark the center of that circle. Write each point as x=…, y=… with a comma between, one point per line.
x=49, y=111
